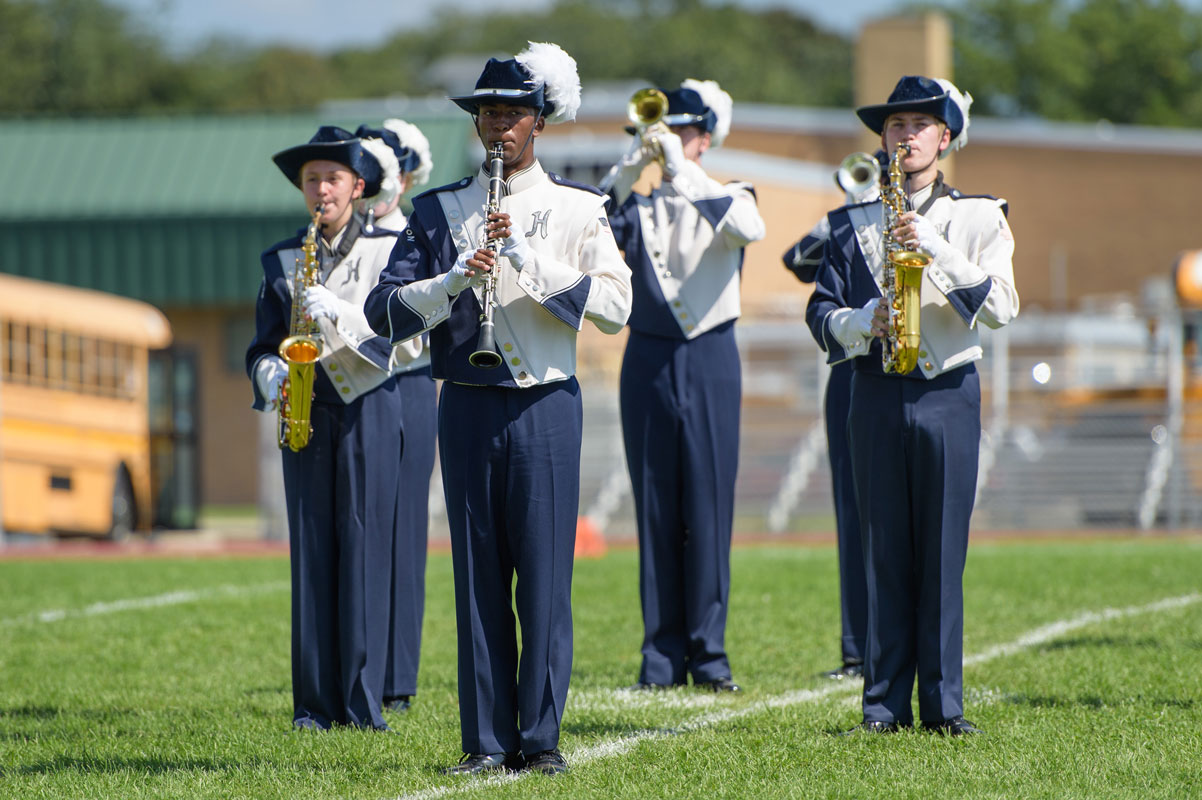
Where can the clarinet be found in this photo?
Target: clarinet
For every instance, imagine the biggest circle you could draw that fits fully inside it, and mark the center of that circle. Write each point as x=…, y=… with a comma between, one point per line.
x=485, y=355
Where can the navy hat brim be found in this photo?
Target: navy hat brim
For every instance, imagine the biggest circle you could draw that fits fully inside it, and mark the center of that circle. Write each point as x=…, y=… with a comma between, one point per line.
x=347, y=153
x=941, y=107
x=510, y=97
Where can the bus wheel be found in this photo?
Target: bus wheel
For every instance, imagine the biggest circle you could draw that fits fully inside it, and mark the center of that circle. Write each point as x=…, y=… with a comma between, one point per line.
x=124, y=510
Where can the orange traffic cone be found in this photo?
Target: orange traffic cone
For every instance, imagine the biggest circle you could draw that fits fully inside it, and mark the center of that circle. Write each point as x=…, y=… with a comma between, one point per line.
x=589, y=541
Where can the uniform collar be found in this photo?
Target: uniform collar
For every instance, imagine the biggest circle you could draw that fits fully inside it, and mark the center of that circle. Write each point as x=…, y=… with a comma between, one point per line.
x=528, y=178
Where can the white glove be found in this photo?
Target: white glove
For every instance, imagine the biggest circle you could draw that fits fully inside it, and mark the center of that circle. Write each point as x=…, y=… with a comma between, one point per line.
x=636, y=154
x=457, y=279
x=853, y=327
x=321, y=302
x=928, y=236
x=516, y=248
x=270, y=373
x=673, y=152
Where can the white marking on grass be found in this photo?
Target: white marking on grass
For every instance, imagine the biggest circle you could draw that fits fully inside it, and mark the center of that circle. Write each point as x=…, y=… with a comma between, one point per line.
x=624, y=744
x=140, y=603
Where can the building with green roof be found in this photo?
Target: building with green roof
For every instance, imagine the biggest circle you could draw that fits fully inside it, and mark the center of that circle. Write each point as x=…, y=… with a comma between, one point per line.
x=175, y=211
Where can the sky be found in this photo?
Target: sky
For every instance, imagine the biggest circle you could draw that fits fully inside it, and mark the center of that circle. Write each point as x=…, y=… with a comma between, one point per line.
x=184, y=24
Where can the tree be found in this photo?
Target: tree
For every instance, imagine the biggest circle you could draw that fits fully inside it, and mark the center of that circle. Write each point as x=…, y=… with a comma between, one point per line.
x=1128, y=61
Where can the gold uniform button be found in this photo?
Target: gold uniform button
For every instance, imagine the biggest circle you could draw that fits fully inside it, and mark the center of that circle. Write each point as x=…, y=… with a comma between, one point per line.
x=333, y=368
x=515, y=361
x=922, y=353
x=508, y=348
x=338, y=378
x=522, y=375
x=928, y=365
x=346, y=390
x=688, y=328
x=676, y=304
x=684, y=315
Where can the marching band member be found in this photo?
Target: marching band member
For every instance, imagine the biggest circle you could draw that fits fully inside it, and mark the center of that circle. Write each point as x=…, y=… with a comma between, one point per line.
x=803, y=260
x=404, y=153
x=509, y=437
x=914, y=437
x=681, y=387
x=341, y=487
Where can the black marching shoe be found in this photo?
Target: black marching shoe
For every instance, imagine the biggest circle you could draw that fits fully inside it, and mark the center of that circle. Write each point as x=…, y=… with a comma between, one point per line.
x=956, y=726
x=872, y=726
x=850, y=669
x=719, y=685
x=548, y=762
x=476, y=763
x=399, y=703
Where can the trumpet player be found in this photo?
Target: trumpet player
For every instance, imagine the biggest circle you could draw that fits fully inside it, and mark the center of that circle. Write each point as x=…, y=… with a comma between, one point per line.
x=404, y=153
x=914, y=436
x=681, y=387
x=509, y=435
x=340, y=488
x=859, y=178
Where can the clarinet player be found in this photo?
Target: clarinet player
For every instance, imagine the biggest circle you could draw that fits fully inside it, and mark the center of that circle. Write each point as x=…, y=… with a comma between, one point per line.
x=509, y=417
x=914, y=436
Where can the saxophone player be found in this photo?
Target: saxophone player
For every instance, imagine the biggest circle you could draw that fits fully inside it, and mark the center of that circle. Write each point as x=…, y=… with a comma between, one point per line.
x=509, y=433
x=340, y=488
x=914, y=437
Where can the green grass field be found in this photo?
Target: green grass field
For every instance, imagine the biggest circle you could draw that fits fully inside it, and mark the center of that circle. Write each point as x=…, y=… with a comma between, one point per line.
x=169, y=678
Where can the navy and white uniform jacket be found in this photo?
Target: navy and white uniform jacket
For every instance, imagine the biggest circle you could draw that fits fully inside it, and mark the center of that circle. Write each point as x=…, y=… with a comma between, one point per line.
x=576, y=274
x=968, y=284
x=354, y=358
x=413, y=354
x=685, y=244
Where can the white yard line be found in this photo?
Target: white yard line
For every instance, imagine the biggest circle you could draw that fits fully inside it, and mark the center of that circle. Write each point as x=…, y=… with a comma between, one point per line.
x=623, y=744
x=139, y=603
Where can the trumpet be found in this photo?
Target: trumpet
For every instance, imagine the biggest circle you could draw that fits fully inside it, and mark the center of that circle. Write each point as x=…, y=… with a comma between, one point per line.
x=858, y=173
x=646, y=110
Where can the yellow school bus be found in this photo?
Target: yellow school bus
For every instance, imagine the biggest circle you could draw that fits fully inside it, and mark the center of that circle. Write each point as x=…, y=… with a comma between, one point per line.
x=75, y=412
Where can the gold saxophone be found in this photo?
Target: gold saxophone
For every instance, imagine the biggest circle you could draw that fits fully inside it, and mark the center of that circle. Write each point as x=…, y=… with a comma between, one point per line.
x=301, y=349
x=901, y=278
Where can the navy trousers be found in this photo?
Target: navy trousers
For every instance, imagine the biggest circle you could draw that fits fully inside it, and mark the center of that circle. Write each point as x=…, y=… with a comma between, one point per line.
x=511, y=472
x=341, y=497
x=853, y=589
x=680, y=405
x=419, y=432
x=914, y=446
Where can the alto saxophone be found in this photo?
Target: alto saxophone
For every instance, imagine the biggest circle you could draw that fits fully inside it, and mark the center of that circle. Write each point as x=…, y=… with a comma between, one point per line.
x=901, y=278
x=301, y=349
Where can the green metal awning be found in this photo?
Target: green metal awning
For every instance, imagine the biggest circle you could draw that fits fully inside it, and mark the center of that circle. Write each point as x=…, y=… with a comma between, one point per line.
x=171, y=210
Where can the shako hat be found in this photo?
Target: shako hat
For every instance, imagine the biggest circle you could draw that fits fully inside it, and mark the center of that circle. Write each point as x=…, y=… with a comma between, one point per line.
x=701, y=103
x=935, y=96
x=331, y=143
x=407, y=159
x=542, y=76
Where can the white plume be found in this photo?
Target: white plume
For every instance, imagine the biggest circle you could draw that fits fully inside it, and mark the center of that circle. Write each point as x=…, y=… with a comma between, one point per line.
x=963, y=100
x=549, y=65
x=719, y=102
x=382, y=153
x=415, y=140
